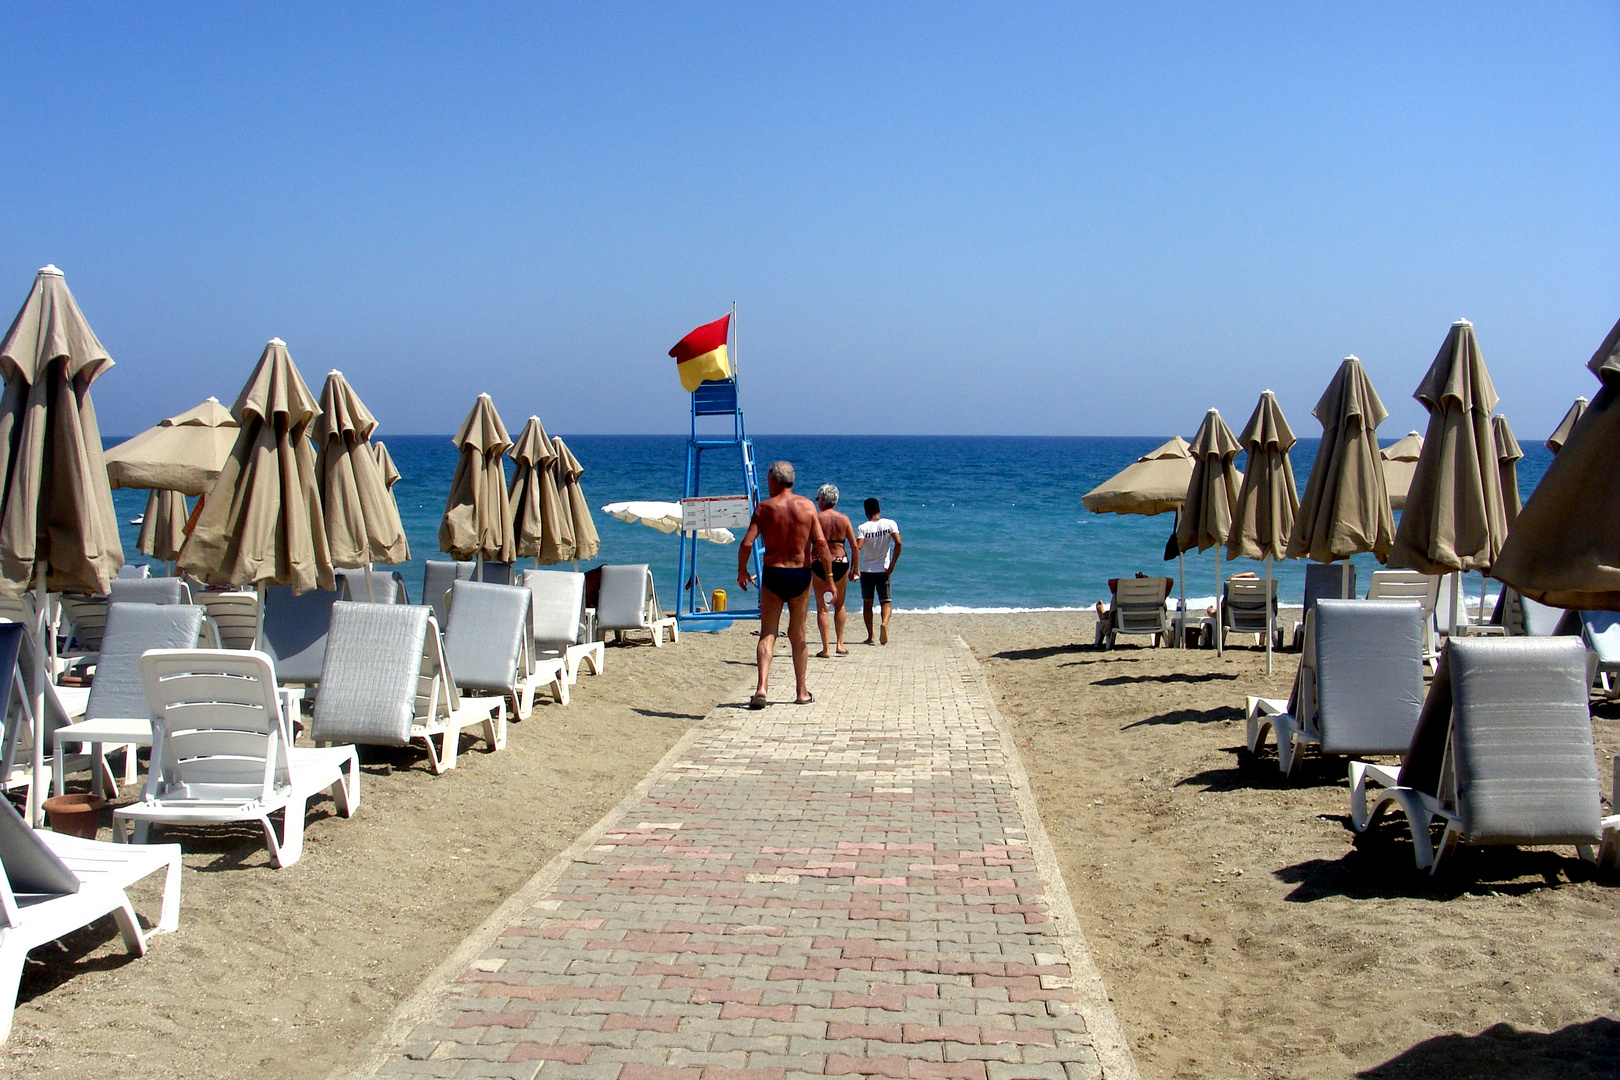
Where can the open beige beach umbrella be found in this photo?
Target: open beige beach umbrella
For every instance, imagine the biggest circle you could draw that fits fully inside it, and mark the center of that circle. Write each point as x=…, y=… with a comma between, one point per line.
x=183, y=453
x=1508, y=455
x=1345, y=509
x=1564, y=550
x=1454, y=520
x=569, y=470
x=261, y=524
x=1560, y=436
x=537, y=505
x=477, y=522
x=1155, y=483
x=1207, y=511
x=1263, y=519
x=1400, y=459
x=58, y=531
x=163, y=525
x=362, y=523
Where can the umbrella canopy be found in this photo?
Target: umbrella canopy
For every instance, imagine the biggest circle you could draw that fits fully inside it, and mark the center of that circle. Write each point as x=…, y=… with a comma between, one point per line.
x=390, y=475
x=56, y=510
x=478, y=516
x=183, y=453
x=1155, y=483
x=1564, y=549
x=261, y=523
x=163, y=526
x=569, y=470
x=1345, y=509
x=663, y=516
x=1560, y=436
x=1508, y=454
x=1212, y=492
x=362, y=523
x=1263, y=517
x=1454, y=520
x=537, y=506
x=1400, y=459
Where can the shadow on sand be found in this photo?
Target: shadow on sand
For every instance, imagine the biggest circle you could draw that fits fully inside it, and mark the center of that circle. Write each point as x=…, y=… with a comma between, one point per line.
x=1502, y=1052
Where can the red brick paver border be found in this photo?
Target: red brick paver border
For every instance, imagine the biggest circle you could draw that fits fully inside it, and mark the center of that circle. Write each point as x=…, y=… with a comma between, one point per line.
x=858, y=887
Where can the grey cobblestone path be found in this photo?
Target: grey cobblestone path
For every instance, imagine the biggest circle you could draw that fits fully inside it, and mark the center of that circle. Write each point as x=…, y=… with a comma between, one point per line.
x=855, y=887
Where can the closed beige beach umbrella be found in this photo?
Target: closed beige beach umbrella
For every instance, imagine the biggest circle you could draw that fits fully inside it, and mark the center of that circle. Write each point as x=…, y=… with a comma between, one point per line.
x=1155, y=483
x=57, y=526
x=569, y=470
x=1263, y=518
x=183, y=453
x=1207, y=511
x=532, y=458
x=1564, y=549
x=163, y=525
x=477, y=521
x=261, y=524
x=1560, y=436
x=1508, y=454
x=1345, y=509
x=362, y=524
x=390, y=475
x=1400, y=459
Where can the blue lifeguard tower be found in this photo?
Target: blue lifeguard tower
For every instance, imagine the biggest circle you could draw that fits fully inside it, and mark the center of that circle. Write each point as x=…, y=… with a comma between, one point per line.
x=714, y=399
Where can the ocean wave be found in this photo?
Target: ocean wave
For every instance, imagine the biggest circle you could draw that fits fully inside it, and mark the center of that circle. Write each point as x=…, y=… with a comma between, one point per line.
x=957, y=609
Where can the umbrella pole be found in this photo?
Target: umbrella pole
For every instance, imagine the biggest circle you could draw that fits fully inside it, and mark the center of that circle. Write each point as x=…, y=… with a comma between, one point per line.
x=1482, y=583
x=1456, y=601
x=1344, y=581
x=1181, y=575
x=1220, y=608
x=1268, y=614
x=370, y=599
x=36, y=790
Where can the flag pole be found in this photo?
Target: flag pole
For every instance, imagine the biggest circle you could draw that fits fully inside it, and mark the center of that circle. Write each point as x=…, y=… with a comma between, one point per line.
x=731, y=325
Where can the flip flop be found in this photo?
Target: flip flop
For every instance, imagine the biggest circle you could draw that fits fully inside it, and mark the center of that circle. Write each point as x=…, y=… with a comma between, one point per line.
x=811, y=700
x=757, y=701
x=843, y=652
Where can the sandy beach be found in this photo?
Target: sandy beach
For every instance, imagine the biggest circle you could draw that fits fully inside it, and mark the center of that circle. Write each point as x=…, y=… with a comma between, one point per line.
x=1240, y=931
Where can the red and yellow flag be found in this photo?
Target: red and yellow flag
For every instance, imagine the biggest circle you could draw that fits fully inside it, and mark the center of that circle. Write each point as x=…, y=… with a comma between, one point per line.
x=701, y=355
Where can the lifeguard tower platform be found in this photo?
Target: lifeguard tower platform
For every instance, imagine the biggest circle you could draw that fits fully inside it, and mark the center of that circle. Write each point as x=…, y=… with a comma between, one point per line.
x=718, y=401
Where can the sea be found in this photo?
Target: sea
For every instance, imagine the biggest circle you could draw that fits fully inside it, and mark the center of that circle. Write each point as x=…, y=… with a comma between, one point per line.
x=989, y=524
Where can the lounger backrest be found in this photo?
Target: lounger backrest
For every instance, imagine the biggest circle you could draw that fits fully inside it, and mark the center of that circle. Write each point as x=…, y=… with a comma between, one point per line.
x=19, y=728
x=32, y=870
x=218, y=732
x=372, y=676
x=237, y=614
x=87, y=620
x=557, y=600
x=133, y=571
x=132, y=629
x=152, y=590
x=487, y=644
x=1139, y=605
x=624, y=600
x=1245, y=604
x=496, y=573
x=1405, y=585
x=387, y=586
x=1601, y=631
x=1369, y=674
x=295, y=629
x=1325, y=581
x=437, y=576
x=1521, y=742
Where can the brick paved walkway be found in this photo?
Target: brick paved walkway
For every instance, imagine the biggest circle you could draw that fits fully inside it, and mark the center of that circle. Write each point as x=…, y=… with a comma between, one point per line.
x=860, y=886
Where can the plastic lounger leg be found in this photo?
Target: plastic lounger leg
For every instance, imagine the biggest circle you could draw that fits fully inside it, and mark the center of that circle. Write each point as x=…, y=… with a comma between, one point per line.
x=292, y=833
x=129, y=926
x=169, y=919
x=11, y=969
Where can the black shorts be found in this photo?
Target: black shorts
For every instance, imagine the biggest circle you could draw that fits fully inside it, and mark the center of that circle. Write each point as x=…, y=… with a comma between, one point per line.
x=840, y=568
x=875, y=583
x=788, y=582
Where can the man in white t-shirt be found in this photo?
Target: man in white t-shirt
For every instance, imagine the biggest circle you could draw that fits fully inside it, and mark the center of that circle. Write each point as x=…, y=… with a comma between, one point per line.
x=877, y=551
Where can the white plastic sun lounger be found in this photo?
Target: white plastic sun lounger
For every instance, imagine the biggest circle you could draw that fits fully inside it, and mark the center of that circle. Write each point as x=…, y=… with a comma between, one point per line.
x=437, y=577
x=55, y=884
x=1243, y=609
x=1503, y=753
x=16, y=745
x=488, y=646
x=1411, y=585
x=1360, y=684
x=1137, y=606
x=387, y=683
x=239, y=617
x=1600, y=630
x=559, y=621
x=628, y=600
x=222, y=751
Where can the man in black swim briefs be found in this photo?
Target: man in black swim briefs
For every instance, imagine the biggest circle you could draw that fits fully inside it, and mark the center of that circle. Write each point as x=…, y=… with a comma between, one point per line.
x=791, y=532
x=840, y=534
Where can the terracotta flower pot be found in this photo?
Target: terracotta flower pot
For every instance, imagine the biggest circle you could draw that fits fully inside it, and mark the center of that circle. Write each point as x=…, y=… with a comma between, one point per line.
x=75, y=815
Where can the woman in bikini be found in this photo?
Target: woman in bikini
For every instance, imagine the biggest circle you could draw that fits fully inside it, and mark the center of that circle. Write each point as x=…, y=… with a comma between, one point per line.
x=840, y=535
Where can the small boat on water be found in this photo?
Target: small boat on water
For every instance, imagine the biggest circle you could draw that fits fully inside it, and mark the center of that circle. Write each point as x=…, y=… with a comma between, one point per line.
x=138, y=519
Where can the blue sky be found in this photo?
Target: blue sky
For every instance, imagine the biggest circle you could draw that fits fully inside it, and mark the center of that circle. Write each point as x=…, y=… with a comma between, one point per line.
x=935, y=219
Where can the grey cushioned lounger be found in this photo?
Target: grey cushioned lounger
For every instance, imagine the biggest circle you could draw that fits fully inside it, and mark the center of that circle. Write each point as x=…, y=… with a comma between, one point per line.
x=132, y=629
x=622, y=602
x=31, y=867
x=370, y=676
x=295, y=631
x=1369, y=675
x=488, y=629
x=131, y=571
x=387, y=586
x=152, y=590
x=437, y=576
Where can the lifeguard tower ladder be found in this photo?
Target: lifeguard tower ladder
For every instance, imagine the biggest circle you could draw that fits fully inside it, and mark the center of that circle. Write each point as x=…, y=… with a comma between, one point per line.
x=716, y=398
